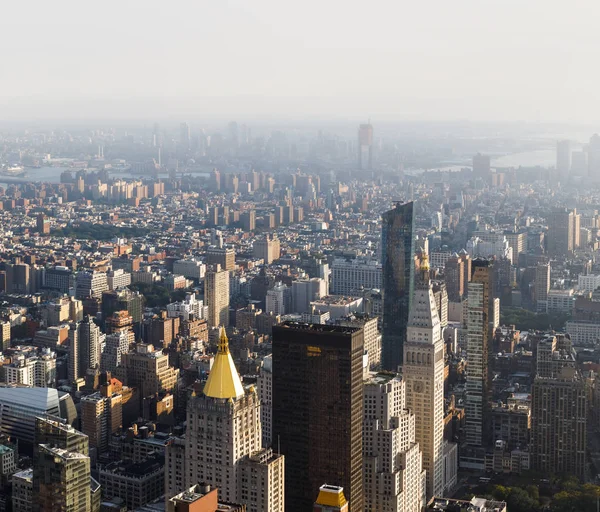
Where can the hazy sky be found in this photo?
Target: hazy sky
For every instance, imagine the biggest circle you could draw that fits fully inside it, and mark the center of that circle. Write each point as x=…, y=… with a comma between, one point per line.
x=384, y=59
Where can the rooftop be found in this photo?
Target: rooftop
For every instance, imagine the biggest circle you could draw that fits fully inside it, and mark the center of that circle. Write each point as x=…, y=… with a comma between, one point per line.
x=340, y=329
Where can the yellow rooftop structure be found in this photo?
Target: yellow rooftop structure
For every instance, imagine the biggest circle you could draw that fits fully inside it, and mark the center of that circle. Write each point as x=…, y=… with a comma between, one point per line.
x=223, y=381
x=331, y=496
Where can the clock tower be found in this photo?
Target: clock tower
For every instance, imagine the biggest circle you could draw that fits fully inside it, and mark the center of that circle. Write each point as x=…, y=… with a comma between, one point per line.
x=423, y=372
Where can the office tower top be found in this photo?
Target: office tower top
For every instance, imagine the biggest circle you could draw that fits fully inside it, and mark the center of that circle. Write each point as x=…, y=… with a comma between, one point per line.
x=365, y=146
x=481, y=165
x=563, y=158
x=61, y=435
x=397, y=255
x=331, y=499
x=223, y=380
x=318, y=409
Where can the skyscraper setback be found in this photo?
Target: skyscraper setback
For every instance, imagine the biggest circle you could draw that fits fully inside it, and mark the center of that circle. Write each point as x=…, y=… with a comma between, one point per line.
x=397, y=255
x=318, y=410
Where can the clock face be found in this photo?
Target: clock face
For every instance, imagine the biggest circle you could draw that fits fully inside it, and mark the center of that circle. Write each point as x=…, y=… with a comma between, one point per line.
x=418, y=387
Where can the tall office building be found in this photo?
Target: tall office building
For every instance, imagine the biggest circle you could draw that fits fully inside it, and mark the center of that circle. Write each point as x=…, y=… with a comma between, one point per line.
x=394, y=478
x=18, y=278
x=64, y=481
x=61, y=470
x=216, y=296
x=481, y=166
x=221, y=256
x=318, y=409
x=593, y=152
x=4, y=335
x=101, y=416
x=184, y=135
x=91, y=284
x=223, y=440
x=480, y=307
x=267, y=249
x=397, y=257
x=517, y=241
x=84, y=348
x=558, y=423
x=265, y=394
x=348, y=277
x=148, y=370
x=423, y=371
x=560, y=236
x=365, y=146
x=42, y=224
x=305, y=291
x=542, y=285
x=563, y=158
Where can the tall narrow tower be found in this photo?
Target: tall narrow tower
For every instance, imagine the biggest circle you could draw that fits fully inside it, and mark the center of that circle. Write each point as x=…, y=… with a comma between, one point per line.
x=397, y=258
x=216, y=296
x=423, y=372
x=479, y=315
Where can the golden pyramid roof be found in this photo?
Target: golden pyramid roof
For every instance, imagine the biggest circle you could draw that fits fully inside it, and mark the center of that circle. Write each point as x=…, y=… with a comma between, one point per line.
x=223, y=380
x=331, y=496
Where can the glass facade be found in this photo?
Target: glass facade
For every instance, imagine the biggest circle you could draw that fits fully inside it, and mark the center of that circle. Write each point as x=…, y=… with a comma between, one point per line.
x=397, y=257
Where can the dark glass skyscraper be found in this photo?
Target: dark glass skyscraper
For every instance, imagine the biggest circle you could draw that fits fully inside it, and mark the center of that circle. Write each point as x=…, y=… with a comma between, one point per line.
x=398, y=262
x=317, y=410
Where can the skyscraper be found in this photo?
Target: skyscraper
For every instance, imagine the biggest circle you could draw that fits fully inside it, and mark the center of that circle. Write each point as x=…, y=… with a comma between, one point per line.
x=91, y=284
x=423, y=371
x=216, y=296
x=479, y=314
x=223, y=440
x=318, y=409
x=560, y=237
x=542, y=285
x=365, y=146
x=84, y=348
x=481, y=166
x=594, y=157
x=397, y=255
x=64, y=480
x=267, y=248
x=184, y=135
x=558, y=423
x=563, y=158
x=61, y=469
x=42, y=224
x=394, y=478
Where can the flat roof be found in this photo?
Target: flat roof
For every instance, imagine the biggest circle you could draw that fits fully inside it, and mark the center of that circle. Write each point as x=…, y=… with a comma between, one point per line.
x=299, y=326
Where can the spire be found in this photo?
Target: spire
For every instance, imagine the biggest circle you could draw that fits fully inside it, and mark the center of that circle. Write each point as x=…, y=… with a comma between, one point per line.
x=423, y=282
x=223, y=380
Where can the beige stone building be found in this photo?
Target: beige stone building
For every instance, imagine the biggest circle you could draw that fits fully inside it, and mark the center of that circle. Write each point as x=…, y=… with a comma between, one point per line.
x=216, y=296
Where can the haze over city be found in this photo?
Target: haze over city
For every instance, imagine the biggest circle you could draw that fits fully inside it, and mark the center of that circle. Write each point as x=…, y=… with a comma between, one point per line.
x=390, y=61
x=289, y=257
